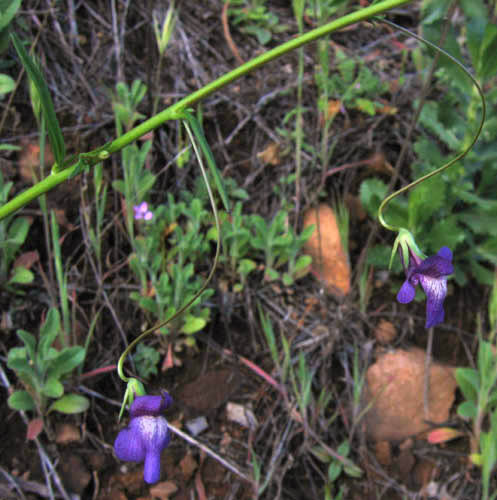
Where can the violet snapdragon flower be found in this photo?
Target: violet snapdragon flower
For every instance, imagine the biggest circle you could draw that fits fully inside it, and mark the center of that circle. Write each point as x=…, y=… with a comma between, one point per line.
x=146, y=435
x=432, y=273
x=142, y=211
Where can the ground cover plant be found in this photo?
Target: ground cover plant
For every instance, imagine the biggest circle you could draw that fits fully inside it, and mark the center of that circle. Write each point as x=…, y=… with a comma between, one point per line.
x=225, y=257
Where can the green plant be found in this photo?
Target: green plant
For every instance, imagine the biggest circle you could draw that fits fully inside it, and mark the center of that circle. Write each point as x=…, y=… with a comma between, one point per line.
x=8, y=10
x=42, y=369
x=165, y=259
x=457, y=208
x=146, y=360
x=13, y=234
x=280, y=245
x=353, y=84
x=255, y=19
x=137, y=180
x=480, y=392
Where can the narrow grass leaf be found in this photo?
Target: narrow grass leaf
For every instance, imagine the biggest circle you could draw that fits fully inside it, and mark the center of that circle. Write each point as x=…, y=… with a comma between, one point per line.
x=8, y=9
x=206, y=150
x=53, y=127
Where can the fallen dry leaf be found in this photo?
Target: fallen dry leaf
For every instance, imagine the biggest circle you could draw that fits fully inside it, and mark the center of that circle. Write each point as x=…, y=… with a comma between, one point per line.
x=35, y=426
x=29, y=160
x=210, y=390
x=395, y=386
x=385, y=332
x=334, y=107
x=329, y=262
x=188, y=466
x=67, y=433
x=355, y=208
x=383, y=452
x=74, y=473
x=424, y=472
x=270, y=155
x=27, y=259
x=163, y=490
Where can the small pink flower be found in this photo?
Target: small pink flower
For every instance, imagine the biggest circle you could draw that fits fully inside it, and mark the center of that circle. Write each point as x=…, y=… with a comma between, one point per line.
x=142, y=211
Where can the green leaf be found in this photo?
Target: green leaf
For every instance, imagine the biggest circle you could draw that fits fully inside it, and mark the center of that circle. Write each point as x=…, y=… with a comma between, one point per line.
x=8, y=9
x=467, y=410
x=53, y=127
x=72, y=403
x=303, y=262
x=446, y=233
x=53, y=388
x=21, y=400
x=66, y=361
x=49, y=331
x=9, y=147
x=6, y=84
x=479, y=222
x=487, y=64
x=118, y=185
x=334, y=470
x=366, y=106
x=18, y=231
x=206, y=150
x=29, y=342
x=468, y=380
x=21, y=276
x=193, y=324
x=246, y=266
x=425, y=200
x=371, y=194
x=379, y=257
x=429, y=118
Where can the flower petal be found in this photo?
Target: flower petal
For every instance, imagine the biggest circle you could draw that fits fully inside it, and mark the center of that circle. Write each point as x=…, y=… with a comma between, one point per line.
x=151, y=469
x=436, y=290
x=154, y=433
x=406, y=293
x=150, y=405
x=446, y=253
x=129, y=446
x=435, y=266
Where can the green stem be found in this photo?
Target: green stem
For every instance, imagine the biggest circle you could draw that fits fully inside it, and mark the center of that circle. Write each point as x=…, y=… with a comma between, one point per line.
x=465, y=150
x=174, y=112
x=206, y=282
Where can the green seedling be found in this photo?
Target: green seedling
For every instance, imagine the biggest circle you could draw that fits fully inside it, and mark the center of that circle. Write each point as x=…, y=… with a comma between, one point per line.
x=42, y=369
x=13, y=233
x=480, y=392
x=125, y=103
x=146, y=360
x=166, y=269
x=280, y=245
x=253, y=18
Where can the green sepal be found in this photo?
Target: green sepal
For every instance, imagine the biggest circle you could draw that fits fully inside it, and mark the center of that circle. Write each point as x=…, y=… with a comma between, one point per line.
x=406, y=241
x=133, y=389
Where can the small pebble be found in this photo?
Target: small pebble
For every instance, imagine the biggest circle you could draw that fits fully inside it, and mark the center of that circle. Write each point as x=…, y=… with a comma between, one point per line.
x=197, y=425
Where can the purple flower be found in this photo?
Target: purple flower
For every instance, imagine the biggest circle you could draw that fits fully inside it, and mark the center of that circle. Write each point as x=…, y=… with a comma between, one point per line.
x=142, y=211
x=146, y=435
x=431, y=273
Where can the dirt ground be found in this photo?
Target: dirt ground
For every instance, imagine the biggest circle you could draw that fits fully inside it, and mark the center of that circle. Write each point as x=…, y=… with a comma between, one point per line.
x=339, y=339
